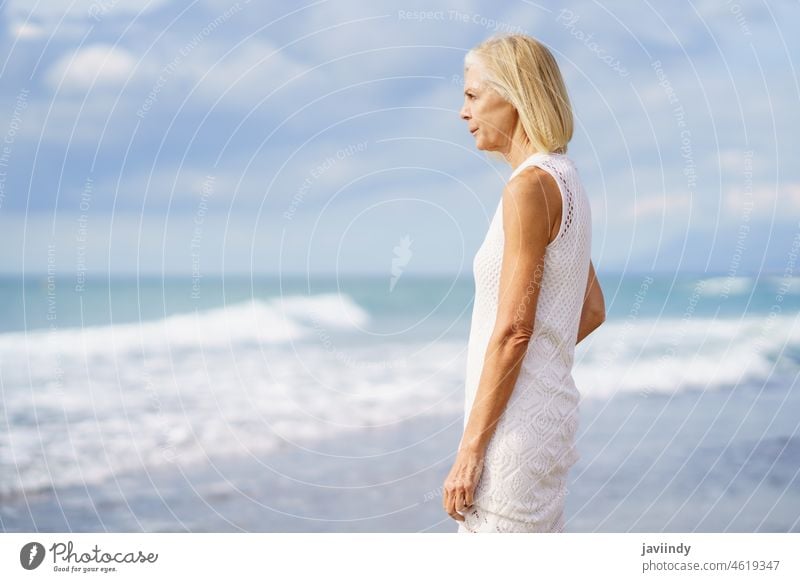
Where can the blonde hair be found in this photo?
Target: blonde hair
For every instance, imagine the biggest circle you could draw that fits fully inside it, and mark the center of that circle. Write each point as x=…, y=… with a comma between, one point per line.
x=524, y=72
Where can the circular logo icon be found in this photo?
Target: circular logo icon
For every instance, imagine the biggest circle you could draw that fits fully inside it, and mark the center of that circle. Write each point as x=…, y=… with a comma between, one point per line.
x=31, y=555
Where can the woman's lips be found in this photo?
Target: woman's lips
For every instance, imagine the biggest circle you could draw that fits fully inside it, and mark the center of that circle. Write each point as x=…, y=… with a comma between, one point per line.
x=474, y=131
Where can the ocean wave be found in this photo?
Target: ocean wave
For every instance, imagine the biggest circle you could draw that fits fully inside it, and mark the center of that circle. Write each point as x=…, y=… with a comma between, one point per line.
x=737, y=285
x=274, y=321
x=669, y=355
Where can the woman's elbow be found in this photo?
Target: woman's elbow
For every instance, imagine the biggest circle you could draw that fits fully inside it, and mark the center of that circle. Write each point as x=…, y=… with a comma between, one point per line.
x=598, y=317
x=515, y=337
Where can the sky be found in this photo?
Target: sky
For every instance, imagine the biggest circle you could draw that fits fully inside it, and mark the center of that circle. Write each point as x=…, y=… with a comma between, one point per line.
x=324, y=138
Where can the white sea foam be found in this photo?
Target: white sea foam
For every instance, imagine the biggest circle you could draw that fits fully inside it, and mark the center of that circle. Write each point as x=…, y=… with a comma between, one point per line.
x=276, y=321
x=669, y=355
x=738, y=285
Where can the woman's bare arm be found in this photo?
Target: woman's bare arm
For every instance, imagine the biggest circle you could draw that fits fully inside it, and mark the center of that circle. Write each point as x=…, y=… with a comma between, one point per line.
x=528, y=205
x=593, y=313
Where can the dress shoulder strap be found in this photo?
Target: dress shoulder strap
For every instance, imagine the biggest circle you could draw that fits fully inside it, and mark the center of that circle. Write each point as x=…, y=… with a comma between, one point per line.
x=527, y=162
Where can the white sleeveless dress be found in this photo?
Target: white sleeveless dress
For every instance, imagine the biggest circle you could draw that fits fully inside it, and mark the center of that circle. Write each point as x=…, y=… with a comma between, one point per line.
x=523, y=484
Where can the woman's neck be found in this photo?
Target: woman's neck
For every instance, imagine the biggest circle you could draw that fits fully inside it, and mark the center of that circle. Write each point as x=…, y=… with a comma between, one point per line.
x=518, y=155
x=521, y=148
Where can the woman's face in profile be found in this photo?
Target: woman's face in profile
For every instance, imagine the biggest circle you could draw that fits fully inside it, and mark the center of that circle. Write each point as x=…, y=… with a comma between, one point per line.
x=490, y=118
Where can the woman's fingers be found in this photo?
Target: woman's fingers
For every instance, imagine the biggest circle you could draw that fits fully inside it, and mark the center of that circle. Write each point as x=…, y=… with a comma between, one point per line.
x=454, y=502
x=460, y=505
x=459, y=488
x=469, y=488
x=449, y=502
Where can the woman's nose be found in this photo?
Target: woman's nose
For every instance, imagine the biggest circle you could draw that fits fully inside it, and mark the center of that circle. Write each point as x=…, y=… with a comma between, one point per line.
x=464, y=113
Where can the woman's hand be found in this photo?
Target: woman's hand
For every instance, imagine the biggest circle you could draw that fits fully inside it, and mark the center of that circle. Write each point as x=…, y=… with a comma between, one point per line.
x=459, y=487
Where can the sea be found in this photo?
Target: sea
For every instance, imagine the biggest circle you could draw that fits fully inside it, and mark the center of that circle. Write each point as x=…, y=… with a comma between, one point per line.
x=335, y=403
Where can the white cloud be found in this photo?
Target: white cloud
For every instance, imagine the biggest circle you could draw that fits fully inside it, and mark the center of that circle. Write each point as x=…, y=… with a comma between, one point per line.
x=245, y=76
x=68, y=19
x=26, y=30
x=94, y=65
x=780, y=201
x=53, y=11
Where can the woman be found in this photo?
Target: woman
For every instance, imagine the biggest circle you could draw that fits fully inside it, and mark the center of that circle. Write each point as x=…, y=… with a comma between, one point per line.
x=536, y=296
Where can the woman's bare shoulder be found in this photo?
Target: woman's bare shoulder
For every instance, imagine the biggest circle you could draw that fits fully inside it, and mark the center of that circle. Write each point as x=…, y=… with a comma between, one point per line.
x=535, y=188
x=535, y=178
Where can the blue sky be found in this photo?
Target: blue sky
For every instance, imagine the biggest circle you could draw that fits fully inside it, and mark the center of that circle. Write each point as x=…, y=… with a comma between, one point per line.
x=324, y=138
